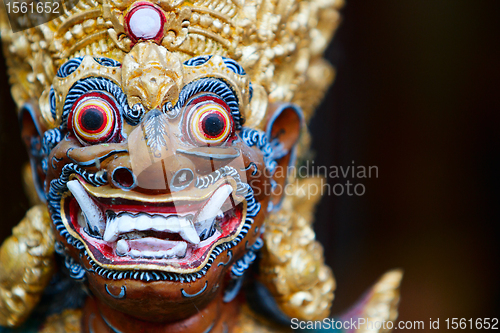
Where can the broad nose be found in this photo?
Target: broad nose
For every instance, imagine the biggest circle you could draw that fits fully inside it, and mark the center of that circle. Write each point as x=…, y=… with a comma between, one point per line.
x=152, y=165
x=171, y=174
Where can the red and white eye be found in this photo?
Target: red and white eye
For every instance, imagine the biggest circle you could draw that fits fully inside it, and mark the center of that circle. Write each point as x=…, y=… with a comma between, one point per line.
x=93, y=118
x=210, y=121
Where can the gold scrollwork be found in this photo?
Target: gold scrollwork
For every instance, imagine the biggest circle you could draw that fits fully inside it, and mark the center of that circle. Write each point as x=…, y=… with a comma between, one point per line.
x=26, y=266
x=292, y=264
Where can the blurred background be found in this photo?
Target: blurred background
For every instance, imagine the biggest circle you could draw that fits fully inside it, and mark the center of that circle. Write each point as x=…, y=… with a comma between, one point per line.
x=417, y=95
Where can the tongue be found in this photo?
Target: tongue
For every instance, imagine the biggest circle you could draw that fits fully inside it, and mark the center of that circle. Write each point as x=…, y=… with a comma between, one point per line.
x=151, y=244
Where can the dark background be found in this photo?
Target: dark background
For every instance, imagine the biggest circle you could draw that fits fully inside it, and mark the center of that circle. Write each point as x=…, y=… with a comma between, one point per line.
x=417, y=95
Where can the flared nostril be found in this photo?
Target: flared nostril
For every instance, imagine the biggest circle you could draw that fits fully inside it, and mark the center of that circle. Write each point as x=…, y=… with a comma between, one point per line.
x=123, y=178
x=181, y=179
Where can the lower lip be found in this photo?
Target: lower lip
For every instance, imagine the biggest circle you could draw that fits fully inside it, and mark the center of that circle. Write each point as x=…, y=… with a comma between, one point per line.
x=104, y=253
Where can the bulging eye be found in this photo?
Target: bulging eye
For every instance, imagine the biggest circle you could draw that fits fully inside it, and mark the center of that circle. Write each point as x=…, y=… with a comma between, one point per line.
x=210, y=122
x=93, y=118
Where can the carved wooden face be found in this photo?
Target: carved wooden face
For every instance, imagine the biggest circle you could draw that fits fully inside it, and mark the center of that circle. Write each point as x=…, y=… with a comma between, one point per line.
x=156, y=189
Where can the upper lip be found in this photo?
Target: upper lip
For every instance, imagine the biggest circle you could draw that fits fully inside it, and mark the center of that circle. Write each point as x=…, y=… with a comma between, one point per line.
x=191, y=195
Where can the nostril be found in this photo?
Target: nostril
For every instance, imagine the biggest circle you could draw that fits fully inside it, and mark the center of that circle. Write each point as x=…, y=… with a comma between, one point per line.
x=182, y=178
x=124, y=178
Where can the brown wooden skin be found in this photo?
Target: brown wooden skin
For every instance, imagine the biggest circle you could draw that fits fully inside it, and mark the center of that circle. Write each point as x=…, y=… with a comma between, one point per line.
x=216, y=317
x=161, y=306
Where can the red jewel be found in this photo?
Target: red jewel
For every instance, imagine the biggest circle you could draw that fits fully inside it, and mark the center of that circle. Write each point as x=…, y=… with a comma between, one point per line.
x=145, y=22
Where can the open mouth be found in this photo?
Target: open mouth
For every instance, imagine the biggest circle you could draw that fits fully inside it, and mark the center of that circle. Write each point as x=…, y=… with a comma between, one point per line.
x=175, y=233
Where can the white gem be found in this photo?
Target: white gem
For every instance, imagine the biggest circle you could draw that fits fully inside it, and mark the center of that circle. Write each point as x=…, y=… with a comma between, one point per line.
x=145, y=23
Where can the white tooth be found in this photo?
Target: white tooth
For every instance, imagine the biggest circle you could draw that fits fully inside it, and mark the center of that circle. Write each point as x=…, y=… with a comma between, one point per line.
x=135, y=254
x=171, y=224
x=148, y=254
x=126, y=223
x=140, y=223
x=204, y=225
x=178, y=250
x=187, y=231
x=94, y=216
x=157, y=223
x=212, y=208
x=111, y=233
x=220, y=214
x=82, y=221
x=122, y=247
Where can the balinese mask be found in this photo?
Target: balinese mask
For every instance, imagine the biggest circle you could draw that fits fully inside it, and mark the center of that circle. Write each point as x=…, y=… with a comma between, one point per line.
x=156, y=130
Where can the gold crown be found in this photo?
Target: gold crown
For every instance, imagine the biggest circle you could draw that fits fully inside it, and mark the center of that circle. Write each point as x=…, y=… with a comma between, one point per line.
x=278, y=43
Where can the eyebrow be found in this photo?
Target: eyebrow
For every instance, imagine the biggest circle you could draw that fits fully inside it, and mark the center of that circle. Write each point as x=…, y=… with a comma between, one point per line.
x=72, y=64
x=215, y=86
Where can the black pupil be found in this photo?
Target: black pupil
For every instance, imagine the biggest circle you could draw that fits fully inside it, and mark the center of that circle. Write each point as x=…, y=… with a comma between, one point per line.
x=92, y=119
x=213, y=125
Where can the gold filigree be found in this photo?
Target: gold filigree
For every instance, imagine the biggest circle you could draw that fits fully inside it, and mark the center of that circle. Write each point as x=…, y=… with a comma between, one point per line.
x=175, y=31
x=381, y=302
x=292, y=265
x=68, y=321
x=26, y=266
x=248, y=322
x=151, y=75
x=279, y=44
x=379, y=305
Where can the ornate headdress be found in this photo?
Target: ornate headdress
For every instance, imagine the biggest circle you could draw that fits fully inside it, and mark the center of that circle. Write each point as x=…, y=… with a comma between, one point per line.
x=278, y=43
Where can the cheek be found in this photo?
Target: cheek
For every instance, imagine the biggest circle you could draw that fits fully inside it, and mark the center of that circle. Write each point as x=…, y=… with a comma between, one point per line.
x=70, y=151
x=258, y=177
x=58, y=158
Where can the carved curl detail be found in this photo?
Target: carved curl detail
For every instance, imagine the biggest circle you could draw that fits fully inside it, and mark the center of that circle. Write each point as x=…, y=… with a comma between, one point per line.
x=26, y=266
x=292, y=265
